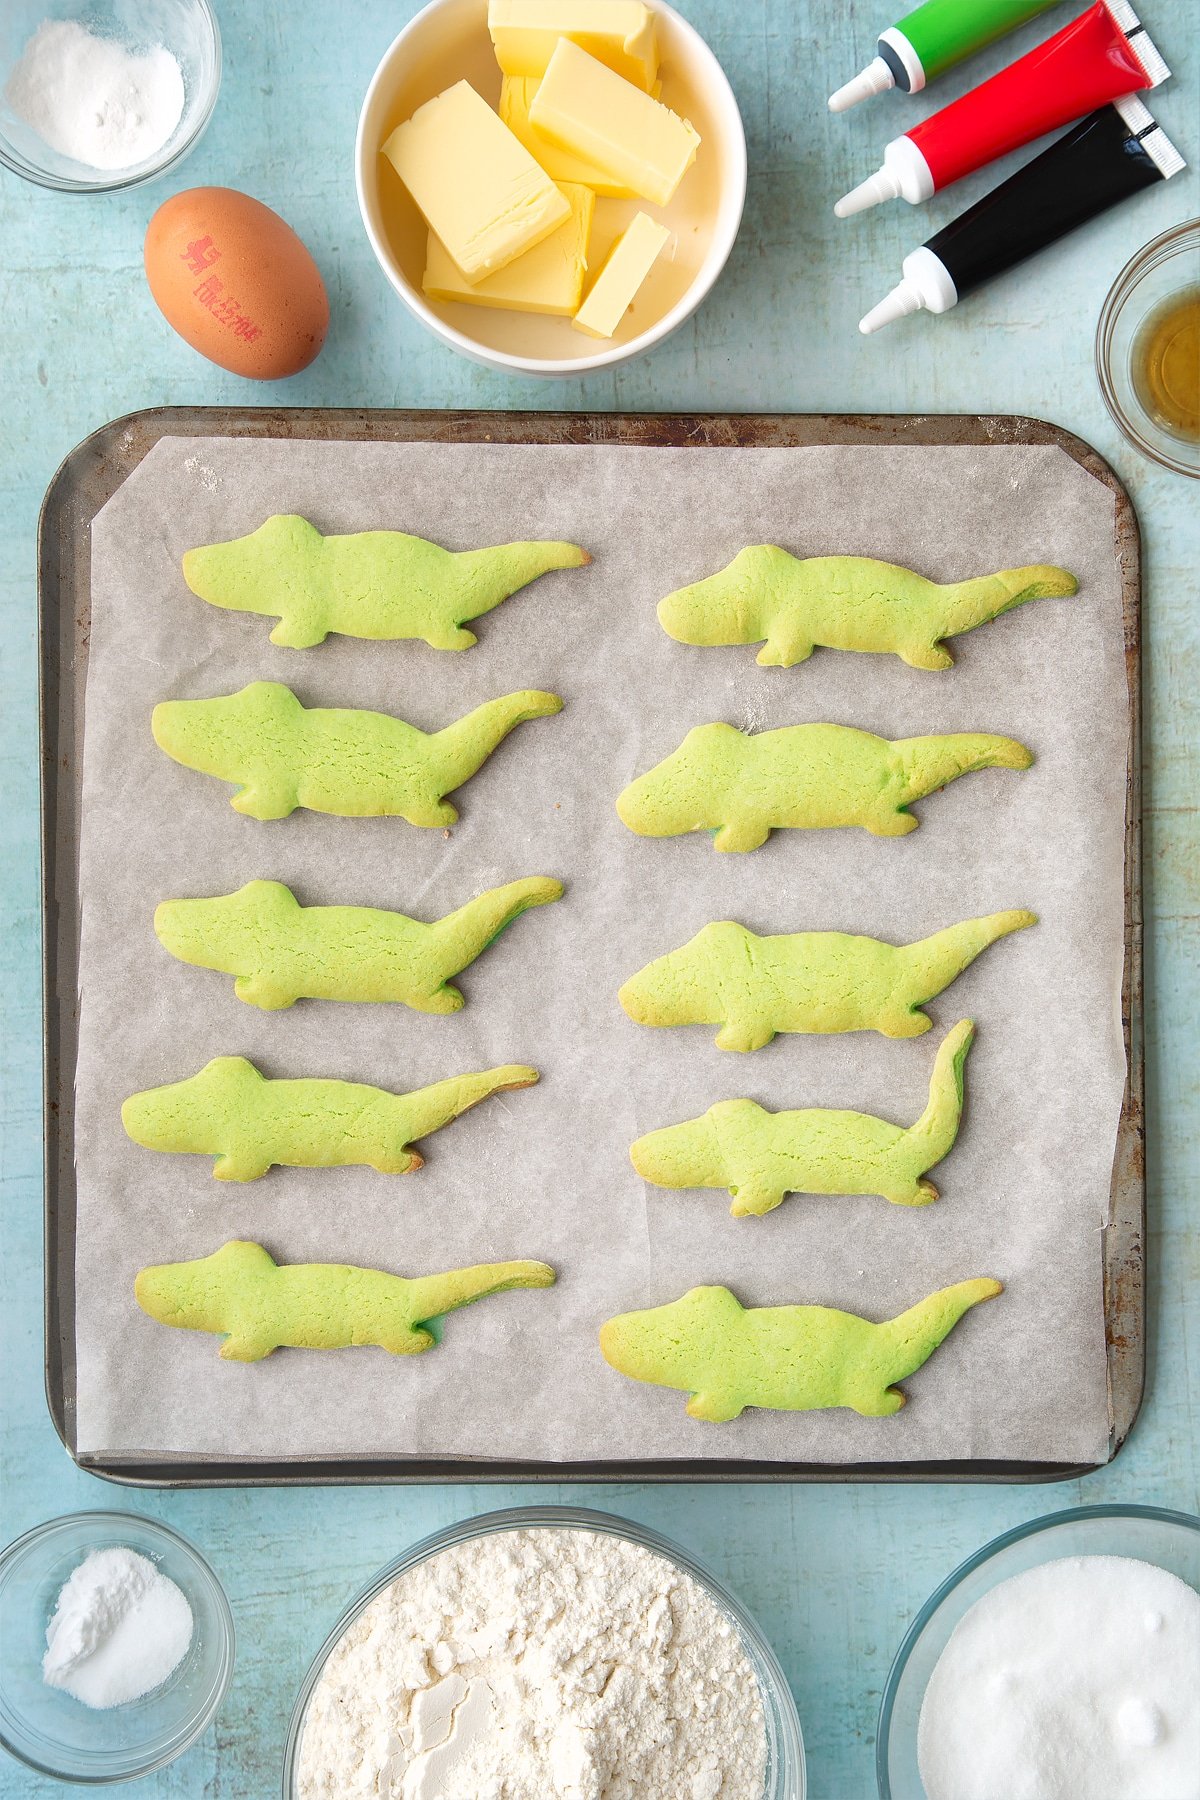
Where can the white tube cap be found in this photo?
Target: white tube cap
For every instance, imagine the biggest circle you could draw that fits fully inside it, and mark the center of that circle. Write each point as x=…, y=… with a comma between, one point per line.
x=905, y=175
x=927, y=284
x=876, y=78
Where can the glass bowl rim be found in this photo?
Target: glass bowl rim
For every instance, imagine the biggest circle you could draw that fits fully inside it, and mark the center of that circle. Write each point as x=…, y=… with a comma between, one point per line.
x=777, y=1692
x=183, y=1739
x=1070, y=1515
x=117, y=180
x=1174, y=241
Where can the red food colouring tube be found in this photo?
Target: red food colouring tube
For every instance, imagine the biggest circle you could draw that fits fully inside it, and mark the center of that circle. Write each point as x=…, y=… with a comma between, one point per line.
x=1100, y=56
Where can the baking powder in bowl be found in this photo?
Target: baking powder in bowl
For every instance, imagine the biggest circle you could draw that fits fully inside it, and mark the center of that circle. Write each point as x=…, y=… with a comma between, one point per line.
x=119, y=1628
x=1077, y=1680
x=539, y=1664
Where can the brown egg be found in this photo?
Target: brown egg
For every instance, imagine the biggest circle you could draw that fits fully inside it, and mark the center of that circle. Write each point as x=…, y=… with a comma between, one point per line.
x=236, y=283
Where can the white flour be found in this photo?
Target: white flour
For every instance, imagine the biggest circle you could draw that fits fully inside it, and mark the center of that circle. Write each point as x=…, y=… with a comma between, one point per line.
x=1077, y=1680
x=92, y=99
x=545, y=1664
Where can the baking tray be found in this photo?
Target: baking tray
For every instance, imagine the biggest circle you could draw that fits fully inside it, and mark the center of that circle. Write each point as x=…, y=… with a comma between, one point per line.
x=89, y=477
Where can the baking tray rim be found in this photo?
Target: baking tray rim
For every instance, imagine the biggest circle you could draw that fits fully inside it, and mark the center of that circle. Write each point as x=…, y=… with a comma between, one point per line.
x=62, y=527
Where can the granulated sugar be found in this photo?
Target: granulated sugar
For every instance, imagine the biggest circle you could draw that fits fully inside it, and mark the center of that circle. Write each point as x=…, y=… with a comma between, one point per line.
x=94, y=100
x=543, y=1664
x=1078, y=1680
x=119, y=1628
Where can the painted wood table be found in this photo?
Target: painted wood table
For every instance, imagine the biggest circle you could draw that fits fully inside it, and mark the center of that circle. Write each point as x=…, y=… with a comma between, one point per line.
x=833, y=1573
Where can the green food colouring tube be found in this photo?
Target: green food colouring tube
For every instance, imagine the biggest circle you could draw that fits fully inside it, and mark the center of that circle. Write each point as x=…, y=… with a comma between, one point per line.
x=931, y=40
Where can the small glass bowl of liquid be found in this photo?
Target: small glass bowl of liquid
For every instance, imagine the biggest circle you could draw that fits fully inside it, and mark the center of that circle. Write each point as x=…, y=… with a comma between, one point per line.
x=1148, y=349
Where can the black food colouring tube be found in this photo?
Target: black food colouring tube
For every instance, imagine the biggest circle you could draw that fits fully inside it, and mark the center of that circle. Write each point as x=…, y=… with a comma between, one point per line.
x=1108, y=157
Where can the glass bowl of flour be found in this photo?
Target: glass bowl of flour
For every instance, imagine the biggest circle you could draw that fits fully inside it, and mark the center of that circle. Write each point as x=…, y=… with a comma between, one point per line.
x=104, y=94
x=542, y=1652
x=1062, y=1660
x=105, y=1679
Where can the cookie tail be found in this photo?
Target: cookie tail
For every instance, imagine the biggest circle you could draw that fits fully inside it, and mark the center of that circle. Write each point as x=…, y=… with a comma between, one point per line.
x=910, y=1339
x=965, y=604
x=930, y=763
x=933, y=963
x=936, y=1129
x=462, y=748
x=430, y=1296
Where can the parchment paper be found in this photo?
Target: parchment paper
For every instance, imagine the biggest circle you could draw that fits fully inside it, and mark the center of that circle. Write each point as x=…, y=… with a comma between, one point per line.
x=545, y=1173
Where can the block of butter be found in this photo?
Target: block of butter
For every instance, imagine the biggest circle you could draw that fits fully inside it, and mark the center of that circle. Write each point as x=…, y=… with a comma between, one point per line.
x=619, y=33
x=586, y=109
x=478, y=187
x=547, y=279
x=629, y=262
x=516, y=97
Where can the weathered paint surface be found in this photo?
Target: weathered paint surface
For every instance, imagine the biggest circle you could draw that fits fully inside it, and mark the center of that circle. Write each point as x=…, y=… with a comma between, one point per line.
x=834, y=1573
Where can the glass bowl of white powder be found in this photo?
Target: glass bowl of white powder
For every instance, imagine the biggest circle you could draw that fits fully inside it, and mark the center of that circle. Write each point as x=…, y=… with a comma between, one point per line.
x=157, y=1616
x=105, y=94
x=542, y=1652
x=1062, y=1660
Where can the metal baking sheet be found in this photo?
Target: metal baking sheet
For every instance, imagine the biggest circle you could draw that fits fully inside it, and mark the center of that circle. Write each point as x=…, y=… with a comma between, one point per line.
x=89, y=477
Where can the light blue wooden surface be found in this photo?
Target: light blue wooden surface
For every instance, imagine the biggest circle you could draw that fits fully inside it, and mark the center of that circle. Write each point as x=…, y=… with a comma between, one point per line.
x=834, y=1573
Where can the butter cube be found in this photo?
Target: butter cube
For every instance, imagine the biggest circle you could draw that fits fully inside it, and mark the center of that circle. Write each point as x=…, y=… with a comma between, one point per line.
x=516, y=97
x=583, y=107
x=547, y=279
x=629, y=262
x=618, y=33
x=478, y=187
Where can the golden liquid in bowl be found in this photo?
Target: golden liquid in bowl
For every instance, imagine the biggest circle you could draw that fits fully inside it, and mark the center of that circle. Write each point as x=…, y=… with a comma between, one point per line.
x=1164, y=364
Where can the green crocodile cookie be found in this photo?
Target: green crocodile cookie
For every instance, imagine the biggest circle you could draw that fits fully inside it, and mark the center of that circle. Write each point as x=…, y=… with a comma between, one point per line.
x=281, y=951
x=760, y=1157
x=262, y=1305
x=359, y=765
x=230, y=1111
x=369, y=584
x=810, y=981
x=805, y=776
x=787, y=1358
x=845, y=603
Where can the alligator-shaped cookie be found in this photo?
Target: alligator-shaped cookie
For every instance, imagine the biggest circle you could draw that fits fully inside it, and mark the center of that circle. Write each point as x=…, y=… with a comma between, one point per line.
x=806, y=981
x=786, y=1358
x=281, y=952
x=355, y=764
x=742, y=787
x=261, y=1305
x=231, y=1111
x=760, y=1157
x=368, y=584
x=791, y=605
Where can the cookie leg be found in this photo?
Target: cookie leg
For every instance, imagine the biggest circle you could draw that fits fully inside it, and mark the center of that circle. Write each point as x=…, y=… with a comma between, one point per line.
x=451, y=637
x=880, y=1403
x=247, y=1346
x=904, y=1022
x=751, y=1199
x=921, y=1193
x=258, y=800
x=239, y=1165
x=299, y=631
x=891, y=823
x=739, y=1035
x=748, y=835
x=261, y=991
x=432, y=814
x=925, y=656
x=445, y=999
x=714, y=1406
x=784, y=653
x=408, y=1342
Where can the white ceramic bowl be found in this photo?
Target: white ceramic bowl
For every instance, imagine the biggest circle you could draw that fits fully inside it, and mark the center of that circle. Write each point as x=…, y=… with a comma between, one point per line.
x=447, y=41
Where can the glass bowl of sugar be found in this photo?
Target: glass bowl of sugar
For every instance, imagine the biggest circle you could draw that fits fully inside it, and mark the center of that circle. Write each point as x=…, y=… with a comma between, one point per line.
x=105, y=1603
x=101, y=96
x=1065, y=1653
